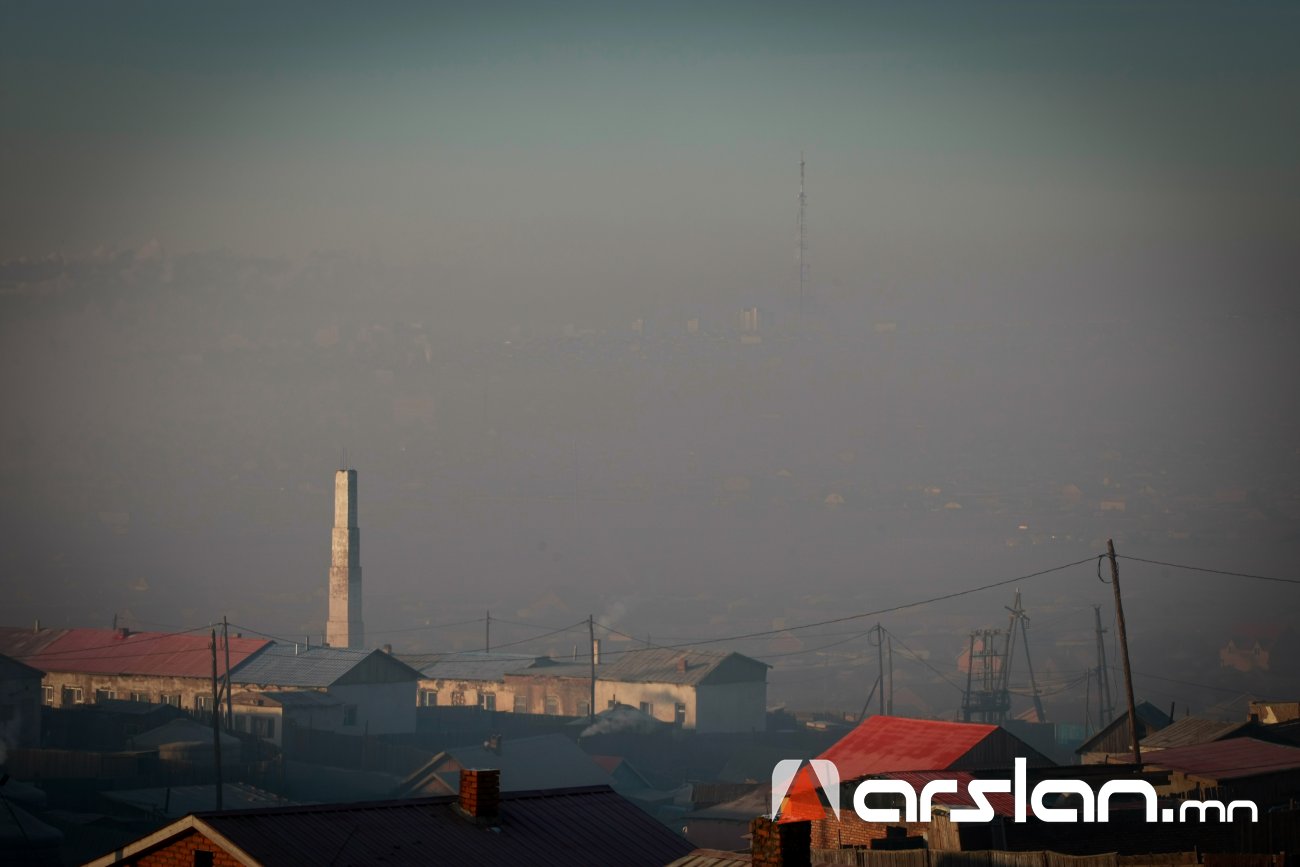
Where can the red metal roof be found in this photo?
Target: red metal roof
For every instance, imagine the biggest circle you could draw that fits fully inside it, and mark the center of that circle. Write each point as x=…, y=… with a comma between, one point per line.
x=882, y=744
x=1227, y=760
x=108, y=651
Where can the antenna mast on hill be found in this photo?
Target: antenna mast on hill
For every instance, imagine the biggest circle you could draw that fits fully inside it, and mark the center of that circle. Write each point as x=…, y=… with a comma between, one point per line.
x=803, y=235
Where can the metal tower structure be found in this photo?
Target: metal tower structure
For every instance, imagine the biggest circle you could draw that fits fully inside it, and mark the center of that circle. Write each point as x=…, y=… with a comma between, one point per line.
x=988, y=671
x=803, y=234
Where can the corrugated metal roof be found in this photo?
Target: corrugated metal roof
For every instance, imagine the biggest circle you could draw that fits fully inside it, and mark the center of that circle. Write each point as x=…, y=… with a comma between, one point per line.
x=526, y=764
x=472, y=665
x=290, y=665
x=20, y=643
x=1228, y=760
x=286, y=698
x=562, y=827
x=176, y=801
x=109, y=651
x=712, y=858
x=884, y=744
x=652, y=665
x=1190, y=730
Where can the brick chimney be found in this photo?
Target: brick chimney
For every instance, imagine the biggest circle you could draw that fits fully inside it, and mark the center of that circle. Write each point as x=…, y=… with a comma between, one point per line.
x=681, y=664
x=480, y=792
x=780, y=844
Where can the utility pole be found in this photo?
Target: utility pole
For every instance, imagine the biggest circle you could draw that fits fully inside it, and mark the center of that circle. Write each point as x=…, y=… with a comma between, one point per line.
x=1123, y=651
x=880, y=664
x=591, y=642
x=890, y=704
x=230, y=701
x=1105, y=707
x=487, y=633
x=216, y=718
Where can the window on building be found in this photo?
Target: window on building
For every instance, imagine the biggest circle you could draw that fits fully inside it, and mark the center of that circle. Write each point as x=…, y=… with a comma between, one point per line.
x=203, y=858
x=584, y=708
x=553, y=705
x=349, y=714
x=140, y=696
x=647, y=708
x=47, y=695
x=521, y=704
x=263, y=726
x=458, y=699
x=171, y=698
x=72, y=695
x=428, y=698
x=203, y=703
x=488, y=700
x=679, y=714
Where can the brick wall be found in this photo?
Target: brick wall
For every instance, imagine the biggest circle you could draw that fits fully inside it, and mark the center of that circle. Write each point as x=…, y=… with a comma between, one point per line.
x=180, y=853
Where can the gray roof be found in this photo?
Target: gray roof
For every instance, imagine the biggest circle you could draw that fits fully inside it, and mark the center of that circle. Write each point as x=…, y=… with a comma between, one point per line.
x=470, y=665
x=542, y=762
x=181, y=731
x=1191, y=730
x=291, y=665
x=286, y=698
x=663, y=665
x=557, y=828
x=177, y=801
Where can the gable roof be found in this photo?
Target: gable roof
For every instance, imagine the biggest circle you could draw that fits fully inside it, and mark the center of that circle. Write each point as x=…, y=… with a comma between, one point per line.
x=883, y=745
x=291, y=665
x=12, y=669
x=686, y=666
x=470, y=665
x=121, y=651
x=1191, y=730
x=1228, y=760
x=1150, y=720
x=526, y=764
x=560, y=827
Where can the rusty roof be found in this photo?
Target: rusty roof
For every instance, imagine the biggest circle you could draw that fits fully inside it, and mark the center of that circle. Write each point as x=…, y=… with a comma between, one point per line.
x=1228, y=760
x=560, y=827
x=121, y=651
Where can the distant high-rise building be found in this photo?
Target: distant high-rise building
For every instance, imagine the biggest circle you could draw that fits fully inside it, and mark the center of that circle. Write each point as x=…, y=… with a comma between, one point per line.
x=344, y=628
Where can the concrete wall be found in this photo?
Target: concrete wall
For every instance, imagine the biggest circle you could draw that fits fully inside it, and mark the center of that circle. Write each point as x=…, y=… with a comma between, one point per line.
x=151, y=687
x=472, y=691
x=662, y=698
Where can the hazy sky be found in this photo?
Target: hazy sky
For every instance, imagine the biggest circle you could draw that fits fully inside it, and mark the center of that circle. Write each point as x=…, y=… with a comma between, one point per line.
x=280, y=229
x=643, y=148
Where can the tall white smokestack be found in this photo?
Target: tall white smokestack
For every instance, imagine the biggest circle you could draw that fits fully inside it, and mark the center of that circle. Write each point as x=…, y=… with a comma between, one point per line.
x=344, y=628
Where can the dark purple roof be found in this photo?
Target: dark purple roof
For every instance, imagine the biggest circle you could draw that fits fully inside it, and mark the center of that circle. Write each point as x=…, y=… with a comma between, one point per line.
x=589, y=825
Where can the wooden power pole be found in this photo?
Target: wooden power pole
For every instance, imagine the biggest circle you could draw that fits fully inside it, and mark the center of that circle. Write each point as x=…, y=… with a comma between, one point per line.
x=216, y=719
x=1123, y=651
x=591, y=640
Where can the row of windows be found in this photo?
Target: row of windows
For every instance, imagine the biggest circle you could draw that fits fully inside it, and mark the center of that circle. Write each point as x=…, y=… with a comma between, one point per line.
x=70, y=695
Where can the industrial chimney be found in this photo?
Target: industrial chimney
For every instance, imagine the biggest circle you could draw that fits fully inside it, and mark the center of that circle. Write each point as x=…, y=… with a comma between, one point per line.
x=344, y=628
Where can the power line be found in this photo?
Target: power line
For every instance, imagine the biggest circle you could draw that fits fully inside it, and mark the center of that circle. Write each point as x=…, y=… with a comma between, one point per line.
x=889, y=610
x=1209, y=570
x=912, y=653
